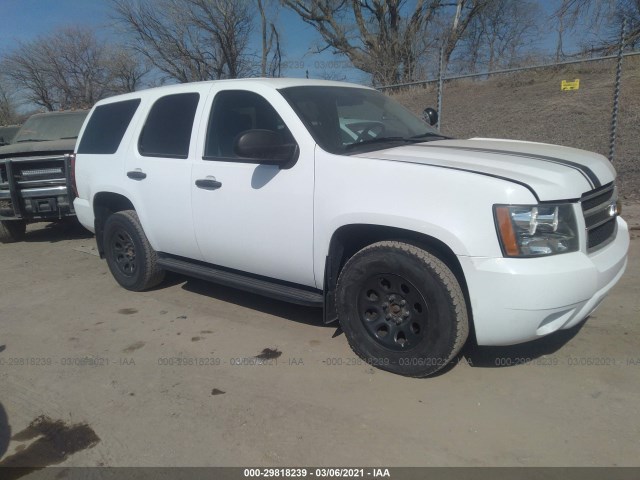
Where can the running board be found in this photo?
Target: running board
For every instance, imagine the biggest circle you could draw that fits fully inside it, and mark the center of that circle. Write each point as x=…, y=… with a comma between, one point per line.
x=260, y=286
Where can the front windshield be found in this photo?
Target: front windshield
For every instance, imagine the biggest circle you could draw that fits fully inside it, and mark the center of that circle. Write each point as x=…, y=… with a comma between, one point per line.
x=352, y=120
x=52, y=126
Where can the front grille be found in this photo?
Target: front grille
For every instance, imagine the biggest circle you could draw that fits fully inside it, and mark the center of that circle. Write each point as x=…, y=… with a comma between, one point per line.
x=597, y=197
x=601, y=234
x=598, y=217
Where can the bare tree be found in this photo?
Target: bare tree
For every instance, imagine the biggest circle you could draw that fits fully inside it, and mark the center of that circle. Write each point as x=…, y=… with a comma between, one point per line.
x=333, y=75
x=466, y=11
x=229, y=23
x=27, y=68
x=566, y=18
x=498, y=34
x=70, y=68
x=8, y=112
x=471, y=51
x=76, y=63
x=594, y=7
x=373, y=35
x=385, y=38
x=270, y=67
x=603, y=17
x=631, y=10
x=190, y=40
x=59, y=71
x=126, y=70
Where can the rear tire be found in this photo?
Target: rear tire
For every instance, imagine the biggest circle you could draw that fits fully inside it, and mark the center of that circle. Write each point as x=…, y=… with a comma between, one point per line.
x=12, y=231
x=131, y=259
x=401, y=309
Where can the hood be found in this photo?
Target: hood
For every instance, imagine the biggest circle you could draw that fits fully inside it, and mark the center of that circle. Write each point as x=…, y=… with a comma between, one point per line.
x=550, y=172
x=31, y=148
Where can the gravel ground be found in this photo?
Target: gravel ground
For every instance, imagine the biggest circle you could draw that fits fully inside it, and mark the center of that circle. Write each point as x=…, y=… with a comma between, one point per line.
x=298, y=396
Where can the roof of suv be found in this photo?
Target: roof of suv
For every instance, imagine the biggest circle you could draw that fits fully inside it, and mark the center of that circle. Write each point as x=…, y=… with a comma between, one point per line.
x=275, y=83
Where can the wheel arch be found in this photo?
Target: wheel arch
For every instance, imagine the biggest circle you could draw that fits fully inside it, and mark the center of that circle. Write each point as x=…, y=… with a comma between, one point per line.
x=104, y=205
x=349, y=239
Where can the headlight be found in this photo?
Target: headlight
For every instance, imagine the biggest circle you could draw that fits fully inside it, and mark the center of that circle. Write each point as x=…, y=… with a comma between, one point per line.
x=536, y=230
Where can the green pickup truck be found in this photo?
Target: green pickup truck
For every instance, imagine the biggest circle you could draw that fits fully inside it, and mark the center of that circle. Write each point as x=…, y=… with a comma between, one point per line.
x=35, y=169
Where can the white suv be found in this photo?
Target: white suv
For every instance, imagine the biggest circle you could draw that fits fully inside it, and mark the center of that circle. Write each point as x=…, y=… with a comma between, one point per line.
x=331, y=194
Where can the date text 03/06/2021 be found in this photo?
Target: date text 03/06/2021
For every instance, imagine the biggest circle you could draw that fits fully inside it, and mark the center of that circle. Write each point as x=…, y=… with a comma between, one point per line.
x=317, y=472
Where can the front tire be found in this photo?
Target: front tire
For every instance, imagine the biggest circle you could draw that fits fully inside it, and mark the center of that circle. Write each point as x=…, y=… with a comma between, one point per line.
x=131, y=259
x=402, y=309
x=12, y=231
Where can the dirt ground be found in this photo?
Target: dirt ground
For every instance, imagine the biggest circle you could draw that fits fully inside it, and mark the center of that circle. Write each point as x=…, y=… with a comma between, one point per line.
x=90, y=374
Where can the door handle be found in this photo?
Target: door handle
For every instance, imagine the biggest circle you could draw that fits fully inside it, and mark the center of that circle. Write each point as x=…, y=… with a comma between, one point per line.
x=137, y=174
x=209, y=183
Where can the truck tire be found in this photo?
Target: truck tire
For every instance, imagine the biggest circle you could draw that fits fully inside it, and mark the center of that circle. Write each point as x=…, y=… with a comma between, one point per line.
x=401, y=309
x=12, y=230
x=131, y=259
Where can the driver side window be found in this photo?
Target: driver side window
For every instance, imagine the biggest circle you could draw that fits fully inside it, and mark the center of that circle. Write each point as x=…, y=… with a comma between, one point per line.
x=233, y=113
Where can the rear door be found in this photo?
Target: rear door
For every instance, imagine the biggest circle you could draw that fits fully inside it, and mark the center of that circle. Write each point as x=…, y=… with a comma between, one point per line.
x=158, y=170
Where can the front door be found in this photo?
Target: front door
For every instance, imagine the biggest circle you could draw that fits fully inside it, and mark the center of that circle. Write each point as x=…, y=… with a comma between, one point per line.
x=250, y=216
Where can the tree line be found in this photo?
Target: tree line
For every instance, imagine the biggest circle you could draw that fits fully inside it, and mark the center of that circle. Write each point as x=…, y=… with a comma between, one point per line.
x=391, y=41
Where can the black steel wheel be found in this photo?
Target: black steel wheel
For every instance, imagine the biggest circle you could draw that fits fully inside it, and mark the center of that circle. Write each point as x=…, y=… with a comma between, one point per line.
x=401, y=308
x=131, y=259
x=393, y=311
x=123, y=251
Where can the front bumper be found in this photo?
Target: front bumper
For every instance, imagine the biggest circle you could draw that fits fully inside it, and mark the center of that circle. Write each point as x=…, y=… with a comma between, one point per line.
x=514, y=300
x=35, y=199
x=36, y=203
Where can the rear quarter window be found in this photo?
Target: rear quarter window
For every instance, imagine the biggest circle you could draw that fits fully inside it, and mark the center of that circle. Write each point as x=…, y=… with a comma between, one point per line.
x=167, y=131
x=106, y=127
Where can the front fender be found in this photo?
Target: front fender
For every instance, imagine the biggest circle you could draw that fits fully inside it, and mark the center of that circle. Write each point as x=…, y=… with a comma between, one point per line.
x=453, y=207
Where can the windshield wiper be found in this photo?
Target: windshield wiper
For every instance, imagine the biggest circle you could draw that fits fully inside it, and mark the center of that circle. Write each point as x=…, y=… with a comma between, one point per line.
x=413, y=139
x=375, y=140
x=426, y=135
x=68, y=138
x=31, y=140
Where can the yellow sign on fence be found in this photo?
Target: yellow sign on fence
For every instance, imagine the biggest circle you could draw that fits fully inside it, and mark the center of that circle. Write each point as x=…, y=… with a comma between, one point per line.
x=566, y=85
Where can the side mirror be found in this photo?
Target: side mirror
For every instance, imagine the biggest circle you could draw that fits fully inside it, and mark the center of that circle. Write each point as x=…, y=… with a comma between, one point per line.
x=266, y=147
x=430, y=116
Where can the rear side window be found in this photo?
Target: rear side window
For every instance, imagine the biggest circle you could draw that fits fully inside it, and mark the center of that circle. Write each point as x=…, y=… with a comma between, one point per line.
x=106, y=127
x=167, y=131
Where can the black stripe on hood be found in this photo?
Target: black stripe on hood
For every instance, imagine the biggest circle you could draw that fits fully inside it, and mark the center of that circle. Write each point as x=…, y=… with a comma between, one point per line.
x=586, y=172
x=479, y=172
